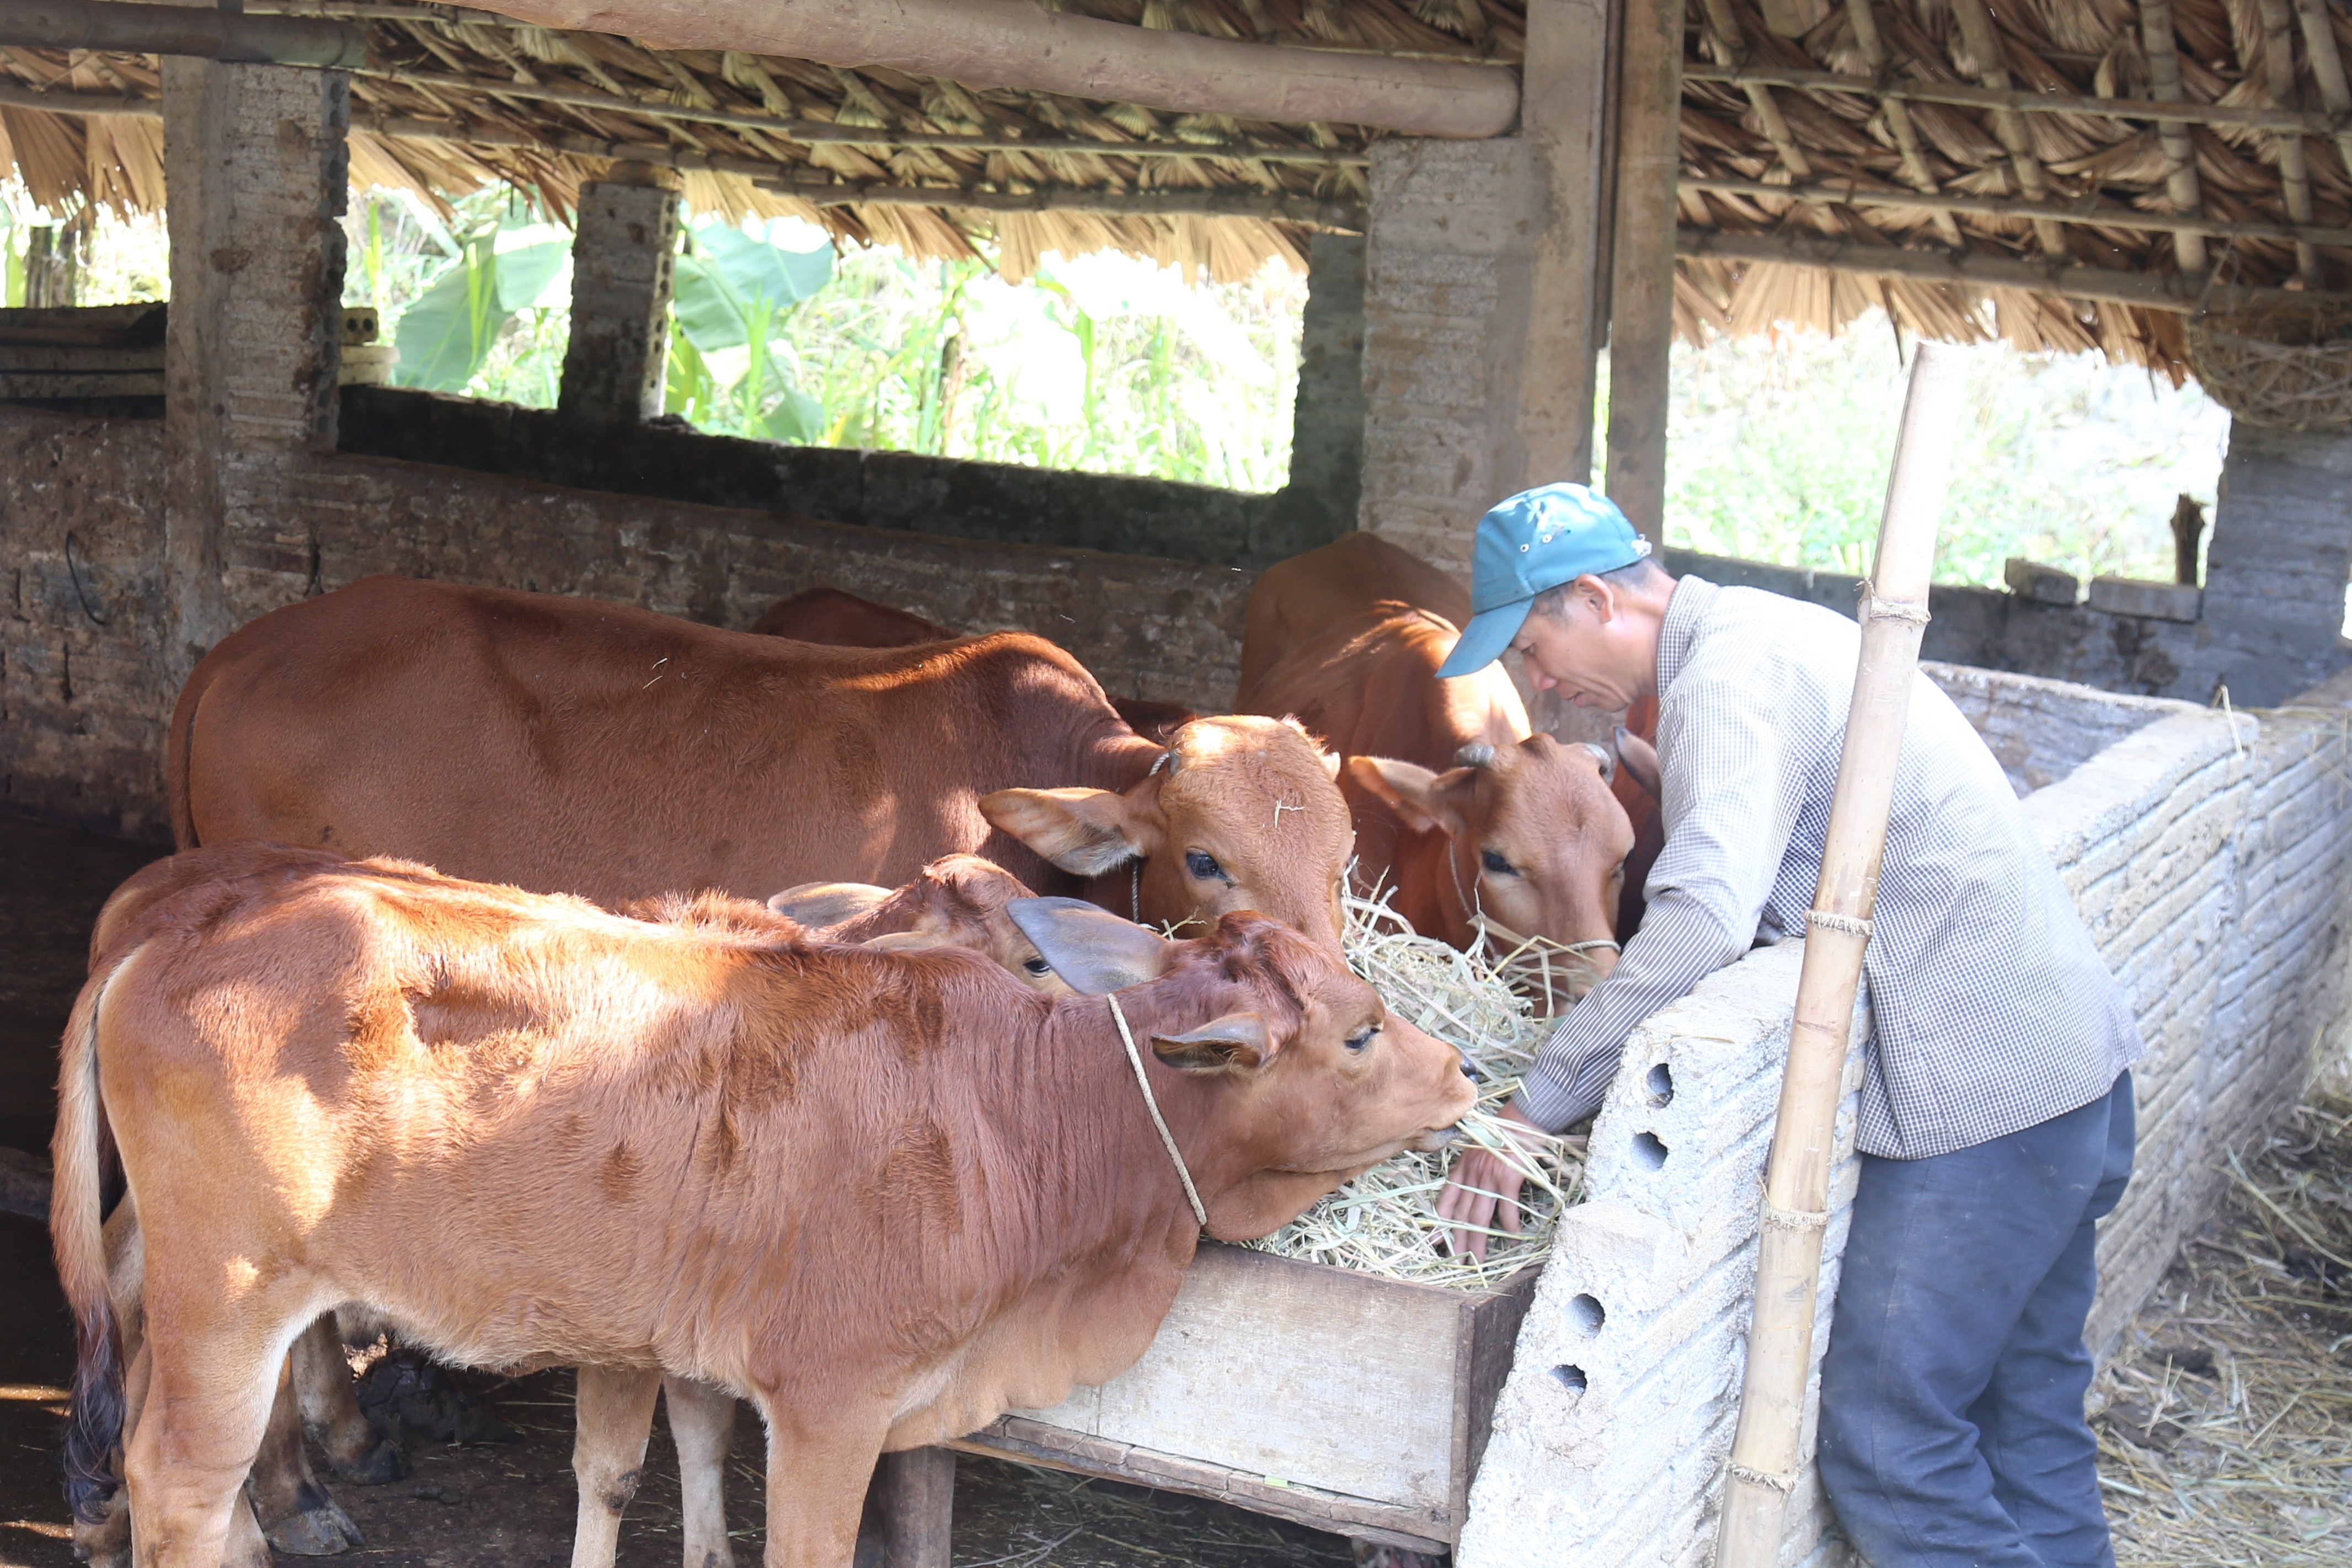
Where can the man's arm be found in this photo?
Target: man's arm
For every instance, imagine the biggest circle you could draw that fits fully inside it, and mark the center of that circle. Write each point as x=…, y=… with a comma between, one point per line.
x=1734, y=784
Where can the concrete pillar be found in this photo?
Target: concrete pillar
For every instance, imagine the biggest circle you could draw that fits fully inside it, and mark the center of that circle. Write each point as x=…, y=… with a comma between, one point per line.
x=1326, y=421
x=256, y=163
x=623, y=257
x=2273, y=617
x=1482, y=296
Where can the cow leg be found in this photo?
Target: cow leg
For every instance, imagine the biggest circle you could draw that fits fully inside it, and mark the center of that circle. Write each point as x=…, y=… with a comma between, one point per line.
x=208, y=1406
x=702, y=1423
x=817, y=1490
x=613, y=1417
x=294, y=1510
x=330, y=1410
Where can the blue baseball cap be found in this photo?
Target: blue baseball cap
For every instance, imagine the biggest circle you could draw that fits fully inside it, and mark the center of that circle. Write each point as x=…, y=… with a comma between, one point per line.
x=1538, y=540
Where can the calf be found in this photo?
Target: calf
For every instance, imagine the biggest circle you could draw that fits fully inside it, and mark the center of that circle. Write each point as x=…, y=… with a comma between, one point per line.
x=887, y=1196
x=958, y=901
x=1476, y=821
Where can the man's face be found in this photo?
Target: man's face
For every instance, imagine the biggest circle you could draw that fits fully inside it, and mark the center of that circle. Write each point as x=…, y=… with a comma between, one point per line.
x=1589, y=649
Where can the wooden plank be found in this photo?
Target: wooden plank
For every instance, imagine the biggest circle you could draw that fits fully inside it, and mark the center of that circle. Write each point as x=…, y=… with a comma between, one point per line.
x=1642, y=287
x=1564, y=116
x=917, y=1508
x=1495, y=1338
x=55, y=357
x=94, y=326
x=1034, y=1443
x=24, y=385
x=1349, y=1380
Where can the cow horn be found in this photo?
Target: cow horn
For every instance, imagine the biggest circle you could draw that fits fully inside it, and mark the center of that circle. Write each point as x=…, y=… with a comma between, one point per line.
x=1478, y=754
x=1606, y=758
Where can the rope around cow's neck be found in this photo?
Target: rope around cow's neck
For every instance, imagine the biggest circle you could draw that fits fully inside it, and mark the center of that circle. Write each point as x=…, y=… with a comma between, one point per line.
x=1151, y=1104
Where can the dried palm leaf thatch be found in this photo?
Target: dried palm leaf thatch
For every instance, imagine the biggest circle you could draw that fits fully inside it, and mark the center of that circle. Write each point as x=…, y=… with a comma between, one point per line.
x=1385, y=1221
x=2226, y=1419
x=2289, y=367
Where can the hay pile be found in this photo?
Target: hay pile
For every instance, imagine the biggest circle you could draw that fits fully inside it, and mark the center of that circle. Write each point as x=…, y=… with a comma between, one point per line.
x=2226, y=1432
x=1385, y=1221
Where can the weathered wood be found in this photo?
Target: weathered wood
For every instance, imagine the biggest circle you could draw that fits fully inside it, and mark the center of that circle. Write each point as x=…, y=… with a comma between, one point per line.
x=2295, y=174
x=1897, y=114
x=92, y=325
x=1641, y=272
x=1019, y=45
x=917, y=1508
x=34, y=384
x=1984, y=43
x=1565, y=98
x=207, y=32
x=1370, y=1405
x=2327, y=70
x=24, y=1184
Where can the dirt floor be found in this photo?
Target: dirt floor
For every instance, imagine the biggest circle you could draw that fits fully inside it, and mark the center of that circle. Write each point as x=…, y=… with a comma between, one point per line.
x=487, y=1505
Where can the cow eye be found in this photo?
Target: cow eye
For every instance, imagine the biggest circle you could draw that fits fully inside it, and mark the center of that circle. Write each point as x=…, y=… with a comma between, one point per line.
x=1037, y=966
x=1203, y=865
x=1357, y=1042
x=1494, y=862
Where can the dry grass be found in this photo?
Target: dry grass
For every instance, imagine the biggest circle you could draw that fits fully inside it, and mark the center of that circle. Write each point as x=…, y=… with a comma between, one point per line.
x=1385, y=1221
x=2226, y=1437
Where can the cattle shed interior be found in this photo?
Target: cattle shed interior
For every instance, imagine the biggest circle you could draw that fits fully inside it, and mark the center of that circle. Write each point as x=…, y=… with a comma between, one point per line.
x=1483, y=196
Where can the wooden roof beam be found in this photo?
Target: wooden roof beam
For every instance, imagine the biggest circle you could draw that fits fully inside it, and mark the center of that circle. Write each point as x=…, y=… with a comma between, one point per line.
x=2278, y=70
x=2163, y=49
x=1017, y=43
x=2001, y=207
x=2184, y=296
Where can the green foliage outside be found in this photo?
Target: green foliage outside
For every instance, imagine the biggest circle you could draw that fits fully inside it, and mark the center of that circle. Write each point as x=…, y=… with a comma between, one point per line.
x=1780, y=444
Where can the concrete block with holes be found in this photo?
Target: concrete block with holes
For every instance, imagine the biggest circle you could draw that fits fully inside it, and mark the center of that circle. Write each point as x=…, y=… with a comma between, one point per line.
x=2209, y=853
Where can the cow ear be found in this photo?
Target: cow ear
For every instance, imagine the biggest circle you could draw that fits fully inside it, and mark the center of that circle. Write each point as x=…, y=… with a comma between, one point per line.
x=1088, y=832
x=1423, y=799
x=1331, y=761
x=1641, y=761
x=819, y=904
x=1092, y=950
x=1235, y=1042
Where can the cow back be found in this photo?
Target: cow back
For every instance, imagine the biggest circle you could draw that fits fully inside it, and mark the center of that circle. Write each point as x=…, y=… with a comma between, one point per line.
x=566, y=745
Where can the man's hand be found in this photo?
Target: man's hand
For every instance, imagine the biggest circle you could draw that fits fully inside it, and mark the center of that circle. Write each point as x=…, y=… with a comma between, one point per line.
x=1483, y=1187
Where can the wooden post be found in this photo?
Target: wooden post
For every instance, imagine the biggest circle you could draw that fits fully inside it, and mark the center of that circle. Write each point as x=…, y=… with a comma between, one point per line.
x=1765, y=1453
x=1564, y=116
x=2162, y=46
x=918, y=1507
x=2188, y=528
x=1642, y=269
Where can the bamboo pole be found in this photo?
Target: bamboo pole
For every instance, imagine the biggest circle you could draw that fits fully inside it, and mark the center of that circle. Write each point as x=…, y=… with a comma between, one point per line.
x=2295, y=176
x=1983, y=42
x=2163, y=48
x=1642, y=264
x=1766, y=1451
x=1898, y=115
x=2327, y=70
x=1731, y=48
x=1019, y=45
x=2149, y=292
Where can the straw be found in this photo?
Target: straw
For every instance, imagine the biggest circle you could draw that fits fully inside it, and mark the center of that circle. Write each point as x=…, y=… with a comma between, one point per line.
x=1385, y=1221
x=2225, y=1432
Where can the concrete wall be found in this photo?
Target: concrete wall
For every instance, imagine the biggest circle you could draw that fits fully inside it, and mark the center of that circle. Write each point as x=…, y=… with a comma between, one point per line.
x=2210, y=854
x=86, y=686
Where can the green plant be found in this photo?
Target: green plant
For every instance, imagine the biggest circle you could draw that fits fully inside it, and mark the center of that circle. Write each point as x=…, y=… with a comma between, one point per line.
x=732, y=292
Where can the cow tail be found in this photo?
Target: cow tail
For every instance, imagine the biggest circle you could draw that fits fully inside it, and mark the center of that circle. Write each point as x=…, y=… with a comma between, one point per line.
x=78, y=1158
x=177, y=763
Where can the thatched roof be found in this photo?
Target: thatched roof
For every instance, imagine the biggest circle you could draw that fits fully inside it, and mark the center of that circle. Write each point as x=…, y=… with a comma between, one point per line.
x=1897, y=147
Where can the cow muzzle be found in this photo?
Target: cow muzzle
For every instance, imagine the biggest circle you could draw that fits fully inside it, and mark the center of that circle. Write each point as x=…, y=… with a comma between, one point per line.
x=1434, y=1139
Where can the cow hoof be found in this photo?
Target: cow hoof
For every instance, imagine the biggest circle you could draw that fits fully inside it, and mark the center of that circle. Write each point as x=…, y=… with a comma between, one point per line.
x=384, y=1463
x=320, y=1531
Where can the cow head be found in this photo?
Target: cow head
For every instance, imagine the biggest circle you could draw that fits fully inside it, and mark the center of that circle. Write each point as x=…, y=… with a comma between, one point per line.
x=1536, y=842
x=1241, y=813
x=1303, y=1078
x=957, y=901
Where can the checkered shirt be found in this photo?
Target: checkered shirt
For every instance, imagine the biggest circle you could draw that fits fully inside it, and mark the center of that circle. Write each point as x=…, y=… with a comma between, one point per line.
x=1991, y=1009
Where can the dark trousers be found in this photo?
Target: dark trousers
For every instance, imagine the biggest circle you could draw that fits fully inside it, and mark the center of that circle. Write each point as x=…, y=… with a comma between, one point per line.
x=1951, y=1429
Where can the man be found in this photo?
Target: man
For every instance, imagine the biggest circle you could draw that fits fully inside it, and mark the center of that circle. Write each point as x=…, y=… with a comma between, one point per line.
x=1997, y=1117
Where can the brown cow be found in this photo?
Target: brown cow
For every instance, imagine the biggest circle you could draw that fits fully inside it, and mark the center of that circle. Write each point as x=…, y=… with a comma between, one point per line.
x=830, y=615
x=957, y=901
x=887, y=1195
x=569, y=746
x=1469, y=816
